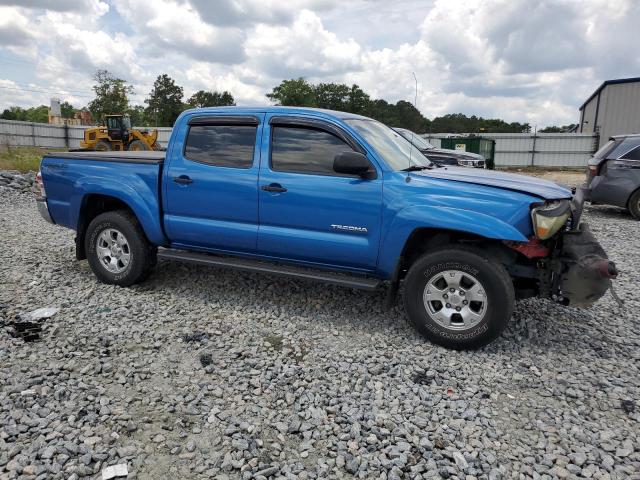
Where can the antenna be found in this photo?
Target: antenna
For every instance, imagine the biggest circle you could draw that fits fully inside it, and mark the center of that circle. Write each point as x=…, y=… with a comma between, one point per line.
x=415, y=101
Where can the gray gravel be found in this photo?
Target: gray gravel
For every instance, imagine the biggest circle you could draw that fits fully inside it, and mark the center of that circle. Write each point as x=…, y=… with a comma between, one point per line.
x=13, y=180
x=202, y=373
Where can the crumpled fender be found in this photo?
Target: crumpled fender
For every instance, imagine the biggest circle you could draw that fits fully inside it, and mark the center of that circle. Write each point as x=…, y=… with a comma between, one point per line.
x=438, y=217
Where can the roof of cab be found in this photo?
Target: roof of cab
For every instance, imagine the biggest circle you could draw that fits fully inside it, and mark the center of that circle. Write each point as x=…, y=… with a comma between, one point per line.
x=278, y=109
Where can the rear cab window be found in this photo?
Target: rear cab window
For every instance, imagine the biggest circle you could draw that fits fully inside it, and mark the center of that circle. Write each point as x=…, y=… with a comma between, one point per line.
x=221, y=145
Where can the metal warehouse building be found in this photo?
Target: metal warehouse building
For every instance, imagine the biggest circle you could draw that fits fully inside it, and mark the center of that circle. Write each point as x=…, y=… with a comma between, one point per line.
x=613, y=109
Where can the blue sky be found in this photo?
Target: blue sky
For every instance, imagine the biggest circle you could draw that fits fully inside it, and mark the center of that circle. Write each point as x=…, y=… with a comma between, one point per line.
x=533, y=61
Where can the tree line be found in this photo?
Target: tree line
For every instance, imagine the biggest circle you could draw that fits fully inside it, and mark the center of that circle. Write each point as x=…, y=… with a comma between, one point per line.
x=166, y=101
x=163, y=104
x=338, y=96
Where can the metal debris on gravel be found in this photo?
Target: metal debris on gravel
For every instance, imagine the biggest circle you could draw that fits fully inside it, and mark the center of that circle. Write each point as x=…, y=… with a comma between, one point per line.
x=301, y=380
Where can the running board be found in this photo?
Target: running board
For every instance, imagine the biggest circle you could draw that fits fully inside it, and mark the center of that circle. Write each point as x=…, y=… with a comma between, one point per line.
x=250, y=265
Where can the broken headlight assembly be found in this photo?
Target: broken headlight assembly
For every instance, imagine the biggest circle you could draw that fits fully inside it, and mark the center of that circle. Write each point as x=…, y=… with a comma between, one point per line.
x=550, y=217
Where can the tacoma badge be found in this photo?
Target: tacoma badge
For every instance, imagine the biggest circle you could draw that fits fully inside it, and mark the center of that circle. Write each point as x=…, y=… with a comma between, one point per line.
x=349, y=228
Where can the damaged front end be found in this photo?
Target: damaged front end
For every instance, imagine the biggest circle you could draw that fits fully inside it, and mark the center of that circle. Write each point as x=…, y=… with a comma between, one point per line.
x=572, y=267
x=581, y=273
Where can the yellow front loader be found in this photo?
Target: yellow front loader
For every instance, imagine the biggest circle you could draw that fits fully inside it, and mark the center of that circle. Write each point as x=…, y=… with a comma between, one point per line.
x=118, y=134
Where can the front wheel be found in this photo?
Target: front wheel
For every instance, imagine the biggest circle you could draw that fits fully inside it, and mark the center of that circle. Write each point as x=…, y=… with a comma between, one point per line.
x=138, y=146
x=458, y=298
x=117, y=249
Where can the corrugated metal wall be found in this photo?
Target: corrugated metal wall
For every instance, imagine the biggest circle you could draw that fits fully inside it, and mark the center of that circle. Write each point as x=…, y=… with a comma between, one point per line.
x=619, y=110
x=512, y=149
x=28, y=134
x=542, y=149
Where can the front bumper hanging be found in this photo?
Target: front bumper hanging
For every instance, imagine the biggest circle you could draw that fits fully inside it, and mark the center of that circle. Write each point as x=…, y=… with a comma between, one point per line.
x=583, y=271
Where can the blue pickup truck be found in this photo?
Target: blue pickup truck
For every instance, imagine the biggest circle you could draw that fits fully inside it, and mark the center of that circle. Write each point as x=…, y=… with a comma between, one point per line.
x=333, y=197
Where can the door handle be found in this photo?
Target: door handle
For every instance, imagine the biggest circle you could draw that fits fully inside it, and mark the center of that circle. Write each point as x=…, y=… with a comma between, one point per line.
x=274, y=187
x=183, y=179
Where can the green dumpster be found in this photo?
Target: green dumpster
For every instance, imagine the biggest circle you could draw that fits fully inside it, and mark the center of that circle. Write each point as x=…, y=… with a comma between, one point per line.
x=484, y=146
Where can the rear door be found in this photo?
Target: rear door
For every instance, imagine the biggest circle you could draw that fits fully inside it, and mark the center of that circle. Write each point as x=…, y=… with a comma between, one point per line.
x=210, y=189
x=309, y=212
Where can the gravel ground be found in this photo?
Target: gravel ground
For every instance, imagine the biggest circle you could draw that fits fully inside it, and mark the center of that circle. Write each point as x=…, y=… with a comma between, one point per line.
x=203, y=373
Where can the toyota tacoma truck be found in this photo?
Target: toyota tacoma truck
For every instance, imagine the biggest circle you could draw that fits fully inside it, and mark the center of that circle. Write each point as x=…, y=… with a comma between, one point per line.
x=332, y=197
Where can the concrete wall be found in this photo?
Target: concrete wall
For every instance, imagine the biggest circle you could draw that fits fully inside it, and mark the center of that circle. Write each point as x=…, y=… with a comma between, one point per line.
x=542, y=149
x=512, y=149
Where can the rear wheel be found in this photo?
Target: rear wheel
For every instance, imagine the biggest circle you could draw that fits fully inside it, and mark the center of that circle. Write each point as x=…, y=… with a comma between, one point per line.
x=138, y=146
x=103, y=146
x=117, y=249
x=634, y=205
x=458, y=298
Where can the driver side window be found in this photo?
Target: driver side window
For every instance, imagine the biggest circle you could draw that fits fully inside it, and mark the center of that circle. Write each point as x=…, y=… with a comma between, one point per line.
x=305, y=150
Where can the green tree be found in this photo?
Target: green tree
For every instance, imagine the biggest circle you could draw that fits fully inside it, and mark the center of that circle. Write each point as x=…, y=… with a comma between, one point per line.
x=333, y=96
x=111, y=95
x=460, y=123
x=137, y=115
x=295, y=92
x=555, y=129
x=358, y=101
x=67, y=110
x=14, y=113
x=164, y=102
x=38, y=114
x=203, y=98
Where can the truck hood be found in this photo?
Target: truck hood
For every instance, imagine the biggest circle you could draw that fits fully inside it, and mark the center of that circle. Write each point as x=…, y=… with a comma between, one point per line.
x=448, y=151
x=510, y=181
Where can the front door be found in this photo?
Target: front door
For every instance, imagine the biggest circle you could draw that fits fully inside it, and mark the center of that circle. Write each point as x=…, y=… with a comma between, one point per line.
x=309, y=212
x=211, y=196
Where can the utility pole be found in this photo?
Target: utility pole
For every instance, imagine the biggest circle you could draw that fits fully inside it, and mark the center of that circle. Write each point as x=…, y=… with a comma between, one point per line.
x=533, y=148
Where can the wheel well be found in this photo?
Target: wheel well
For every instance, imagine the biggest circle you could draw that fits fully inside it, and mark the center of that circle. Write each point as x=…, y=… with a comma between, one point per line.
x=92, y=206
x=423, y=240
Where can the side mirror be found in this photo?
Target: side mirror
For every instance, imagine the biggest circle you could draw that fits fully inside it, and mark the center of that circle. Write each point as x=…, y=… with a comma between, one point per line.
x=351, y=163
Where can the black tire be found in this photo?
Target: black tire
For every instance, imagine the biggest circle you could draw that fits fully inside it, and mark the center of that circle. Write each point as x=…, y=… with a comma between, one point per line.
x=141, y=254
x=634, y=205
x=493, y=280
x=137, y=146
x=103, y=146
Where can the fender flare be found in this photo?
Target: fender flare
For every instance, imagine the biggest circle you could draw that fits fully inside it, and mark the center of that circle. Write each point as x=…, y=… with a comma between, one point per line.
x=140, y=201
x=415, y=217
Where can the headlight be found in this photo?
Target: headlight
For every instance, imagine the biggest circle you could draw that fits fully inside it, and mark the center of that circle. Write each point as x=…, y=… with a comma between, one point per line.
x=550, y=217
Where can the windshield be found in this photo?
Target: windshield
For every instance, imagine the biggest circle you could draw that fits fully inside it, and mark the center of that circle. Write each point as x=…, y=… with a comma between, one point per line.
x=395, y=150
x=414, y=138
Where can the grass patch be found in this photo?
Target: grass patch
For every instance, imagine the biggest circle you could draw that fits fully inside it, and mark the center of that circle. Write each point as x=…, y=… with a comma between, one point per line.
x=23, y=159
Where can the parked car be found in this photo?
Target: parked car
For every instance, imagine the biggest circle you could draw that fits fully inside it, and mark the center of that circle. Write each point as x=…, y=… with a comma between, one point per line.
x=333, y=197
x=442, y=156
x=614, y=174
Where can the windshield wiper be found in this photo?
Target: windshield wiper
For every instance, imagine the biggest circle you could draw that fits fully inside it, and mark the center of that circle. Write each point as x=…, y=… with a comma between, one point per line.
x=415, y=168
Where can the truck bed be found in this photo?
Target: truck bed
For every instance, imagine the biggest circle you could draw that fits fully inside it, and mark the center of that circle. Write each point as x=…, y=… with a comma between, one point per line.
x=153, y=157
x=132, y=177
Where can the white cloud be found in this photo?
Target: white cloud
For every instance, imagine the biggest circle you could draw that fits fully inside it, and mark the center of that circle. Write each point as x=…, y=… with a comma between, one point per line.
x=15, y=31
x=305, y=48
x=512, y=59
x=171, y=25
